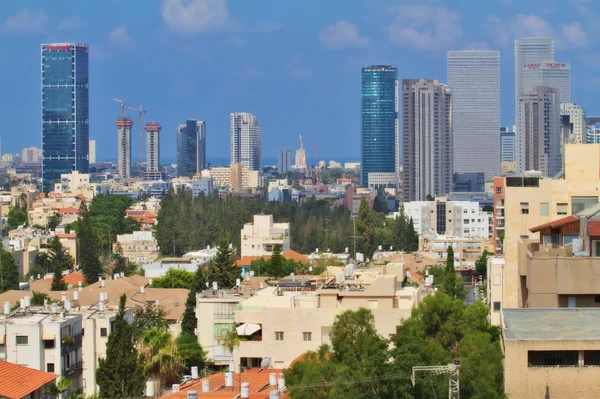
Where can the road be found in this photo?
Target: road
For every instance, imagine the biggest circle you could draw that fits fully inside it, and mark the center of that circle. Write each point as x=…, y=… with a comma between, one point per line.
x=472, y=294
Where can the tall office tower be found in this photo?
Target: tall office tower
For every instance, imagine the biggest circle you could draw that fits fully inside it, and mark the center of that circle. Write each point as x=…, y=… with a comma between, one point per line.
x=474, y=78
x=379, y=125
x=65, y=110
x=507, y=145
x=426, y=139
x=152, y=147
x=550, y=74
x=283, y=161
x=245, y=140
x=573, y=121
x=538, y=131
x=191, y=147
x=92, y=151
x=530, y=50
x=124, y=125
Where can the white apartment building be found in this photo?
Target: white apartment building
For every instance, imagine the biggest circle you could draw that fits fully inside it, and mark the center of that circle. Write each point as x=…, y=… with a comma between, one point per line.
x=222, y=177
x=92, y=157
x=573, y=122
x=552, y=74
x=245, y=140
x=70, y=182
x=138, y=247
x=152, y=147
x=259, y=238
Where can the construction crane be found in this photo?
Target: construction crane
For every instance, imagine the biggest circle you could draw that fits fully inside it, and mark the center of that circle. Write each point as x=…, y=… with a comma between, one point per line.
x=141, y=110
x=123, y=104
x=316, y=165
x=450, y=369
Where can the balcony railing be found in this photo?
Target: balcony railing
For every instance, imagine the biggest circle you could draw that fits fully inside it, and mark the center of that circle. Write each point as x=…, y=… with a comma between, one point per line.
x=72, y=368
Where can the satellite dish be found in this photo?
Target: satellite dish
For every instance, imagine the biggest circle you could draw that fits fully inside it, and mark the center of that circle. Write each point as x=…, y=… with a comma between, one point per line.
x=265, y=363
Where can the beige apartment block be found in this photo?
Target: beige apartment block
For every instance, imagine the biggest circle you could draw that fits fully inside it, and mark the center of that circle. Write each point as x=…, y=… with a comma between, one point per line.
x=495, y=271
x=139, y=247
x=260, y=238
x=235, y=177
x=551, y=353
x=466, y=250
x=531, y=201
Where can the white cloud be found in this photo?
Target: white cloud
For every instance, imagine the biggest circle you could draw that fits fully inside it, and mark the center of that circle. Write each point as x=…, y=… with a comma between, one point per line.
x=497, y=29
x=573, y=35
x=120, y=37
x=249, y=73
x=530, y=25
x=342, y=34
x=70, y=23
x=424, y=28
x=26, y=21
x=270, y=27
x=194, y=16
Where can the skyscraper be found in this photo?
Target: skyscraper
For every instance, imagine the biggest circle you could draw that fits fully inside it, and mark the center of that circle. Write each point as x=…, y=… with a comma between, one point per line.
x=538, y=131
x=191, y=147
x=530, y=50
x=507, y=145
x=551, y=74
x=379, y=130
x=283, y=161
x=65, y=110
x=573, y=121
x=426, y=139
x=245, y=140
x=152, y=148
x=92, y=151
x=474, y=78
x=124, y=125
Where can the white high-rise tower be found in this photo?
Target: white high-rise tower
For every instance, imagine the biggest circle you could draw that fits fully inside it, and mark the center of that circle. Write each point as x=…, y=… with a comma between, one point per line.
x=530, y=50
x=245, y=140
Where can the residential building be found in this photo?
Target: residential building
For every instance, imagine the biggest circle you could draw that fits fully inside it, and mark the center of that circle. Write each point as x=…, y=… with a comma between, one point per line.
x=20, y=382
x=139, y=247
x=191, y=147
x=300, y=161
x=426, y=139
x=203, y=186
x=592, y=130
x=235, y=176
x=283, y=162
x=538, y=131
x=466, y=250
x=70, y=182
x=474, y=78
x=530, y=50
x=260, y=238
x=507, y=168
x=380, y=130
x=124, y=125
x=31, y=155
x=65, y=110
x=159, y=267
x=573, y=122
x=245, y=140
x=551, y=352
x=507, y=145
x=552, y=74
x=92, y=151
x=495, y=267
x=153, y=148
x=468, y=182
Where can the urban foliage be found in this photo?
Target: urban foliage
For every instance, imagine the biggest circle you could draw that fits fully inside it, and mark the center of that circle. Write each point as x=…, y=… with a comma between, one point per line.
x=189, y=322
x=174, y=278
x=481, y=263
x=9, y=273
x=190, y=351
x=449, y=283
x=17, y=215
x=88, y=244
x=278, y=266
x=222, y=269
x=61, y=261
x=147, y=317
x=161, y=361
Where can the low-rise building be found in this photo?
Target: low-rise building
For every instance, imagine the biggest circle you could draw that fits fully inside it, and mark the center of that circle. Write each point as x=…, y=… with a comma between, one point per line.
x=261, y=237
x=19, y=382
x=466, y=250
x=138, y=247
x=160, y=267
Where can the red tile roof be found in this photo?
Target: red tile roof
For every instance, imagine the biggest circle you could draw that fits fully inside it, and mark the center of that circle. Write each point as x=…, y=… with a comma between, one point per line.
x=66, y=235
x=67, y=210
x=295, y=256
x=594, y=229
x=71, y=278
x=17, y=381
x=555, y=224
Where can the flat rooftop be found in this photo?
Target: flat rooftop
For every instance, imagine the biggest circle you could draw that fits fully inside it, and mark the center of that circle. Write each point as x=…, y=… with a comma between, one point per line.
x=551, y=324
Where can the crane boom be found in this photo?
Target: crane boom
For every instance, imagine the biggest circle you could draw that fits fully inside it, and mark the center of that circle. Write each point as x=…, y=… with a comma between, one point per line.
x=123, y=104
x=141, y=110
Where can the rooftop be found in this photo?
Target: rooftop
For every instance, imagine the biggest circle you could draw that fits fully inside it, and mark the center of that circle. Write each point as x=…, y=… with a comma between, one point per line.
x=18, y=381
x=551, y=324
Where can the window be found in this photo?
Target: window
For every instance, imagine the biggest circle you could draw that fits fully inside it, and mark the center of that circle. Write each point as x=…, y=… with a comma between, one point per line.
x=22, y=339
x=278, y=335
x=544, y=208
x=466, y=221
x=561, y=209
x=83, y=332
x=307, y=336
x=48, y=344
x=578, y=204
x=498, y=190
x=596, y=298
x=373, y=305
x=591, y=358
x=496, y=306
x=525, y=208
x=103, y=332
x=224, y=310
x=50, y=367
x=553, y=358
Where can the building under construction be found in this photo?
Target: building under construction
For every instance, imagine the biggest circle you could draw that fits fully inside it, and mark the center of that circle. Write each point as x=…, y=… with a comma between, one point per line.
x=124, y=125
x=152, y=151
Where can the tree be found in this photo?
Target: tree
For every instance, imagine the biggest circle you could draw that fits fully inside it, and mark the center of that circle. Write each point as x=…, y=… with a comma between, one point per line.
x=363, y=223
x=119, y=374
x=17, y=216
x=189, y=322
x=41, y=265
x=120, y=262
x=158, y=354
x=449, y=283
x=56, y=389
x=89, y=256
x=147, y=317
x=58, y=255
x=222, y=268
x=58, y=281
x=174, y=278
x=9, y=278
x=481, y=263
x=229, y=339
x=53, y=222
x=190, y=351
x=276, y=263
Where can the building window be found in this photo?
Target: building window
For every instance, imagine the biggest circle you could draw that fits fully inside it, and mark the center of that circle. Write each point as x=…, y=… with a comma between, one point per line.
x=498, y=190
x=50, y=367
x=307, y=336
x=553, y=358
x=22, y=340
x=596, y=298
x=525, y=208
x=103, y=332
x=578, y=204
x=278, y=335
x=496, y=306
x=591, y=358
x=561, y=209
x=544, y=208
x=224, y=310
x=48, y=344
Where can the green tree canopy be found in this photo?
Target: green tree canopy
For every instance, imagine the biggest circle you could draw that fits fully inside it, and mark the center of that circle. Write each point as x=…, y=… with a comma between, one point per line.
x=190, y=351
x=9, y=279
x=174, y=278
x=89, y=256
x=147, y=317
x=481, y=263
x=189, y=322
x=449, y=283
x=222, y=268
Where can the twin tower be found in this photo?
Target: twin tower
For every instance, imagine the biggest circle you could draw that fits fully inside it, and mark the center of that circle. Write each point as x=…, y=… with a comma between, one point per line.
x=151, y=170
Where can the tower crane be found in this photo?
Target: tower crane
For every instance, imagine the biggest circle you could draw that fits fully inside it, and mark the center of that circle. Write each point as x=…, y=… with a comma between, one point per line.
x=316, y=165
x=123, y=104
x=141, y=110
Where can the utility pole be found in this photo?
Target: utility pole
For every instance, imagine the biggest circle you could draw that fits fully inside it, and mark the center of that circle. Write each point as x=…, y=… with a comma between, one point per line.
x=451, y=369
x=354, y=237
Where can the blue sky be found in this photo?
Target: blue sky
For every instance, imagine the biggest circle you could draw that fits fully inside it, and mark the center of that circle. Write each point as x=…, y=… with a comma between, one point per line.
x=294, y=63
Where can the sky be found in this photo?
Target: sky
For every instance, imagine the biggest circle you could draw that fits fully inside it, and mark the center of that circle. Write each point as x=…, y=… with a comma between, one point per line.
x=294, y=63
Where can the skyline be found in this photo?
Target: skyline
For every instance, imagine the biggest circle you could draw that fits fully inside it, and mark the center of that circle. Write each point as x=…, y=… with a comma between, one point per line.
x=239, y=49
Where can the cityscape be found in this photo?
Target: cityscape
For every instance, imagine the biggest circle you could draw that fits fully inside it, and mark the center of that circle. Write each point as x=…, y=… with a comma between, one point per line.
x=365, y=231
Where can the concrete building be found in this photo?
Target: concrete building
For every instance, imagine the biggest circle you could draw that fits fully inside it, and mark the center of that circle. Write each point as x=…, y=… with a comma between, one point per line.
x=552, y=74
x=474, y=78
x=139, y=247
x=71, y=182
x=235, y=177
x=426, y=139
x=466, y=250
x=300, y=158
x=507, y=145
x=551, y=353
x=202, y=186
x=495, y=268
x=191, y=147
x=573, y=121
x=245, y=140
x=124, y=125
x=468, y=182
x=283, y=161
x=153, y=148
x=530, y=50
x=33, y=154
x=538, y=131
x=259, y=238
x=92, y=151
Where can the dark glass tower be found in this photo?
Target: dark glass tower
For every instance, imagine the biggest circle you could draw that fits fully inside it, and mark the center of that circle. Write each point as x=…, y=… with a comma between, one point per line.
x=65, y=110
x=379, y=147
x=191, y=148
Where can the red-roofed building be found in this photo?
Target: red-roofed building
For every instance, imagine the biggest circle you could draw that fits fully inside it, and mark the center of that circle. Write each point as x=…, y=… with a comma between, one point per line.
x=246, y=261
x=71, y=279
x=145, y=218
x=18, y=382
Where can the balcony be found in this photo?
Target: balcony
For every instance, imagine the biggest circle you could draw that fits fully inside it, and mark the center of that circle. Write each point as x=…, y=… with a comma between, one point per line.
x=72, y=368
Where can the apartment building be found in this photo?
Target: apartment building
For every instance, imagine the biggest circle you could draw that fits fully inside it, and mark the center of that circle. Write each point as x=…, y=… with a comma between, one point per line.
x=138, y=247
x=261, y=237
x=70, y=182
x=235, y=177
x=551, y=353
x=23, y=382
x=466, y=250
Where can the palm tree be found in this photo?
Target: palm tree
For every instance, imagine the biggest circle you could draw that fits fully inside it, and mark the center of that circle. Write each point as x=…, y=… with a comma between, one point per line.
x=56, y=389
x=158, y=353
x=229, y=339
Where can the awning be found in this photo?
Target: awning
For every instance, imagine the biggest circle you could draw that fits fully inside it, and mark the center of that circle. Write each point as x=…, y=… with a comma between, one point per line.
x=555, y=224
x=247, y=329
x=2, y=339
x=48, y=337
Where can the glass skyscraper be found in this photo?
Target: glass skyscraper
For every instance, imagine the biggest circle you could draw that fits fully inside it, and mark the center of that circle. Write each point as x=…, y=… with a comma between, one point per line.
x=507, y=145
x=379, y=134
x=65, y=110
x=191, y=148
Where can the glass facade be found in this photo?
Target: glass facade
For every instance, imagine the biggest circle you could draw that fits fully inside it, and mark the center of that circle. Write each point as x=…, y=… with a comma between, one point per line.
x=379, y=150
x=507, y=145
x=65, y=110
x=191, y=148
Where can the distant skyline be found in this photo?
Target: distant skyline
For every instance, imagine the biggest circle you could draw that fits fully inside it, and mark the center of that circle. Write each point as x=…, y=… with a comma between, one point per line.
x=216, y=57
